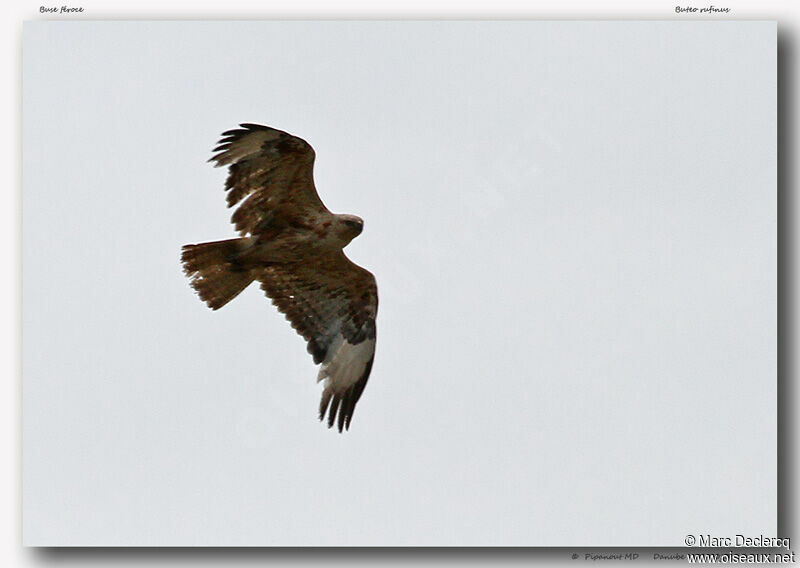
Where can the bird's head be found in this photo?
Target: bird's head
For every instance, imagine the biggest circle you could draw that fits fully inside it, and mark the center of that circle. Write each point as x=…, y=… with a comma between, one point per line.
x=350, y=226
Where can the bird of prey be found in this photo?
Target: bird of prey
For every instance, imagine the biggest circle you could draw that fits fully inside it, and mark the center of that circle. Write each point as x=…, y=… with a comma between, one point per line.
x=292, y=244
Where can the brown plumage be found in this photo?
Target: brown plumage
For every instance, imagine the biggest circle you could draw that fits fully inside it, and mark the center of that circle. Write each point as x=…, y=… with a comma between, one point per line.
x=292, y=244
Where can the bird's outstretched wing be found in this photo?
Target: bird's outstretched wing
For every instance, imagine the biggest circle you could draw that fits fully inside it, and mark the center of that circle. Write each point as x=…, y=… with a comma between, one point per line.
x=273, y=172
x=332, y=303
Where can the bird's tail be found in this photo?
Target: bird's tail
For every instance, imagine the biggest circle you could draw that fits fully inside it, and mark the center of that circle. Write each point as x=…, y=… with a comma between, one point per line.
x=214, y=270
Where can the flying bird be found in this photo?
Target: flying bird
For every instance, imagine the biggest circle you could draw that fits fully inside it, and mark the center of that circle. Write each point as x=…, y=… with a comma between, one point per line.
x=292, y=244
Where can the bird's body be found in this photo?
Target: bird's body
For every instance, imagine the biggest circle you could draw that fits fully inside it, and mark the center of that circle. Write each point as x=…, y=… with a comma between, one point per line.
x=320, y=235
x=293, y=246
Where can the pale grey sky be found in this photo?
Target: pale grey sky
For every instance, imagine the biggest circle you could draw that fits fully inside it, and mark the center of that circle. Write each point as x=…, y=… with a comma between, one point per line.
x=573, y=229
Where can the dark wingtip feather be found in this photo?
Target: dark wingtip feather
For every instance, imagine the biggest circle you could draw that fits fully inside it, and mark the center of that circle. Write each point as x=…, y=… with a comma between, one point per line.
x=323, y=404
x=334, y=408
x=340, y=406
x=230, y=136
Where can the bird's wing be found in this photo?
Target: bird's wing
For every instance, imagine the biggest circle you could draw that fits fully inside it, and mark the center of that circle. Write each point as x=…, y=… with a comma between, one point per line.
x=273, y=172
x=332, y=303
